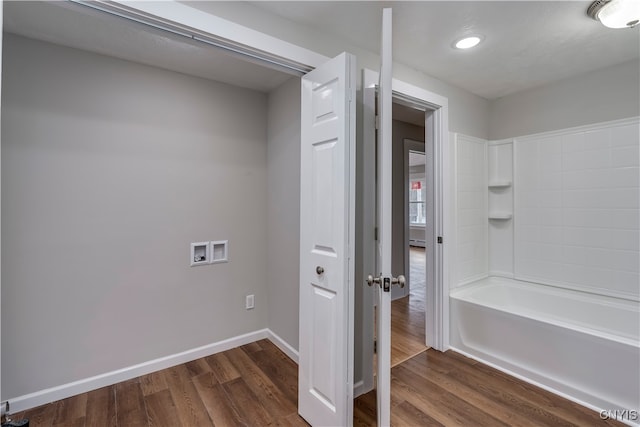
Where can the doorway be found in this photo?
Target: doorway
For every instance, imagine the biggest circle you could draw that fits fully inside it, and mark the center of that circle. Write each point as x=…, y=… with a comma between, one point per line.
x=432, y=112
x=409, y=194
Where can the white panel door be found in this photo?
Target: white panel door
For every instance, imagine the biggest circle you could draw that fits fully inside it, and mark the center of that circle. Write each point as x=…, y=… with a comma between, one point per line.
x=327, y=215
x=385, y=102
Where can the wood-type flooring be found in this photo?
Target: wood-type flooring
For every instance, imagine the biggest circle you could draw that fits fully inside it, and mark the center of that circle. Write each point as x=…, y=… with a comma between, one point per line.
x=408, y=313
x=257, y=385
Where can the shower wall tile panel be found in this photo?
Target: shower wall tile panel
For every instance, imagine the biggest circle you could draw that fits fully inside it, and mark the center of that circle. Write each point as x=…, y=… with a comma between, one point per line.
x=577, y=217
x=471, y=203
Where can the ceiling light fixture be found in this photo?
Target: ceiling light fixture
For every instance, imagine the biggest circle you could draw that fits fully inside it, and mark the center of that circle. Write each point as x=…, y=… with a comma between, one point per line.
x=616, y=13
x=467, y=42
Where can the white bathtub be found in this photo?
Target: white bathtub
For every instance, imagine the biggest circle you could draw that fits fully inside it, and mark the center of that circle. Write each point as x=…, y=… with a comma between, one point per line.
x=582, y=346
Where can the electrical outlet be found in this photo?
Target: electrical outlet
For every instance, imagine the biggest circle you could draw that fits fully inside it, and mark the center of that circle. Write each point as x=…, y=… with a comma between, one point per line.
x=249, y=302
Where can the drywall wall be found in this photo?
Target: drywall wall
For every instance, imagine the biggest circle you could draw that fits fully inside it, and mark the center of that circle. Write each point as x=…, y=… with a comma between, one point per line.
x=283, y=210
x=401, y=130
x=577, y=209
x=608, y=94
x=109, y=170
x=468, y=113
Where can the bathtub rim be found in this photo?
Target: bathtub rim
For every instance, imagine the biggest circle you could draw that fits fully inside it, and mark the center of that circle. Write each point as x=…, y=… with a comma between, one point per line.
x=460, y=293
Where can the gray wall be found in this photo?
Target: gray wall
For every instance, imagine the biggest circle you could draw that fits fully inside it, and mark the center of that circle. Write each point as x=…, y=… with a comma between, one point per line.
x=608, y=94
x=283, y=210
x=401, y=130
x=468, y=113
x=109, y=170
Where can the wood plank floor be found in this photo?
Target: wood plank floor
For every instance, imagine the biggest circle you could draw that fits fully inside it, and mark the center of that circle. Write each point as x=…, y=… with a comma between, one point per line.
x=448, y=389
x=252, y=385
x=408, y=313
x=256, y=385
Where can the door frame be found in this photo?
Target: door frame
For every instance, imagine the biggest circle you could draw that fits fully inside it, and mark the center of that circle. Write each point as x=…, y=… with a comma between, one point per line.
x=437, y=306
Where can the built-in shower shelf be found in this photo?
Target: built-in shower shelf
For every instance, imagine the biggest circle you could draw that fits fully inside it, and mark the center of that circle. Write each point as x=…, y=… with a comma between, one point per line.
x=499, y=184
x=500, y=215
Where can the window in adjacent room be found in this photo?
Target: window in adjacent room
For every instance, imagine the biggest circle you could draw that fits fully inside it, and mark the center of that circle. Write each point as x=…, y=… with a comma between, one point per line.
x=417, y=196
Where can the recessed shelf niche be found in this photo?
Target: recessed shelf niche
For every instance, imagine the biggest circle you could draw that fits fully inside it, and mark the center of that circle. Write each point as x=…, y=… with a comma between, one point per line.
x=500, y=207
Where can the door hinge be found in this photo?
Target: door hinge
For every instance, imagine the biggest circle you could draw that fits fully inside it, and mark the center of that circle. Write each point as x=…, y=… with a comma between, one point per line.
x=377, y=122
x=440, y=239
x=375, y=234
x=375, y=346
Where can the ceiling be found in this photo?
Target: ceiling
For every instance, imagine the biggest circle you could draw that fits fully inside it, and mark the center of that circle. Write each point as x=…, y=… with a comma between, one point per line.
x=80, y=27
x=527, y=43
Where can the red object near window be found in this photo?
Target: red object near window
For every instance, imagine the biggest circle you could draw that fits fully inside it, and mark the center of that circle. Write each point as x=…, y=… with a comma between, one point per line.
x=416, y=185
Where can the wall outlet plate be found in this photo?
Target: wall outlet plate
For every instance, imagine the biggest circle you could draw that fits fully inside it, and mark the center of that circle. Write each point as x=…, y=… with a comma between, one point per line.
x=249, y=302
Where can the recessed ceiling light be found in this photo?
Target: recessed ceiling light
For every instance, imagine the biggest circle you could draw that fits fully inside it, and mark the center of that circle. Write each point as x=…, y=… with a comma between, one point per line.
x=468, y=42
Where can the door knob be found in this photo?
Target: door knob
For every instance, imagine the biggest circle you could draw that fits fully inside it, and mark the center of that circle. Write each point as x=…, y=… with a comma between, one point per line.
x=400, y=281
x=371, y=280
x=319, y=270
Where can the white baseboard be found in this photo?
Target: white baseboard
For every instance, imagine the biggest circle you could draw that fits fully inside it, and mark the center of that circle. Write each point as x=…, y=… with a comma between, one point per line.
x=359, y=389
x=49, y=395
x=283, y=345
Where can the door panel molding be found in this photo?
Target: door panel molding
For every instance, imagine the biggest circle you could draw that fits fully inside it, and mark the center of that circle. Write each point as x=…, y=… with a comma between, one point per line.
x=327, y=218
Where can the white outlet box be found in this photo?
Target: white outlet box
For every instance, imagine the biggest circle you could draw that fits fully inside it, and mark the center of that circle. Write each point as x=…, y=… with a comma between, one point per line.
x=200, y=253
x=249, y=302
x=219, y=251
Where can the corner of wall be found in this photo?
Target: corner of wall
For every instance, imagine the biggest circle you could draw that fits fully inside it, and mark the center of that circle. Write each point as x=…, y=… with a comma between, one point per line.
x=283, y=207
